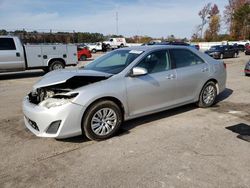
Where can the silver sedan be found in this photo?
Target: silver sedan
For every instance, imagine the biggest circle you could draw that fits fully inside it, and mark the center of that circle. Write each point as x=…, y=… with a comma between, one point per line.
x=121, y=85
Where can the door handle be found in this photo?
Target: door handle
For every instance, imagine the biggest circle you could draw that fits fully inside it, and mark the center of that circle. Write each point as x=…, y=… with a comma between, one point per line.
x=171, y=76
x=204, y=69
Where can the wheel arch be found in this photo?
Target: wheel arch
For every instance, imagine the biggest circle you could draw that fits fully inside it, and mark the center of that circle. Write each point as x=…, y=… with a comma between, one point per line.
x=50, y=61
x=109, y=98
x=211, y=80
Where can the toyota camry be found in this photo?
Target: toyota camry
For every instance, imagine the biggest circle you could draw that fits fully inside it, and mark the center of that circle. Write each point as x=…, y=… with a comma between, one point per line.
x=123, y=84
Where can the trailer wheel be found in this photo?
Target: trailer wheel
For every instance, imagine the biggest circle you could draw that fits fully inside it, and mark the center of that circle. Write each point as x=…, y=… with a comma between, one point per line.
x=56, y=65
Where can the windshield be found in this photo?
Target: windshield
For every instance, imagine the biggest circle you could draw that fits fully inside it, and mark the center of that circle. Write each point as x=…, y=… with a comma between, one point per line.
x=114, y=62
x=216, y=48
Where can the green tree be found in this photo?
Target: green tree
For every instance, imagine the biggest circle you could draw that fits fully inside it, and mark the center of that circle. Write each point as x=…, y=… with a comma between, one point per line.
x=242, y=18
x=233, y=22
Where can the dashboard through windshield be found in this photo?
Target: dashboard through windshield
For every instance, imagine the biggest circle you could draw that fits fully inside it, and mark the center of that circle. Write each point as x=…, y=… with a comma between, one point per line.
x=114, y=62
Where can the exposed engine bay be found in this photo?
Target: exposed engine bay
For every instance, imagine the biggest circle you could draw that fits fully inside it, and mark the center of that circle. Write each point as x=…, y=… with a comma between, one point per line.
x=59, y=91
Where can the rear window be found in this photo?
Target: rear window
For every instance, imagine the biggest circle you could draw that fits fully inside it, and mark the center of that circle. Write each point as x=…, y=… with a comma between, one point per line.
x=7, y=44
x=184, y=58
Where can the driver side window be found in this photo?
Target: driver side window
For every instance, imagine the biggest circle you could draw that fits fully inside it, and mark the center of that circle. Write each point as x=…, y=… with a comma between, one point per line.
x=156, y=62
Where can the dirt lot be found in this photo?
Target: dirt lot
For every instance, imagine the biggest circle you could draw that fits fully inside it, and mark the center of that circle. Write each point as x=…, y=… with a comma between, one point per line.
x=183, y=147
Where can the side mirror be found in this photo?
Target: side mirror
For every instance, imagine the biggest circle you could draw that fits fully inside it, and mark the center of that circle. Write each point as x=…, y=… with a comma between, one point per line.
x=138, y=71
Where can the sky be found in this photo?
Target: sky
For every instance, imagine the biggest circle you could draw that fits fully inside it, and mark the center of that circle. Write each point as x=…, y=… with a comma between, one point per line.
x=159, y=18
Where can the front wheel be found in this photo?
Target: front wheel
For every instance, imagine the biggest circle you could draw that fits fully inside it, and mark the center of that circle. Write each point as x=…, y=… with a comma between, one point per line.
x=235, y=55
x=207, y=95
x=102, y=120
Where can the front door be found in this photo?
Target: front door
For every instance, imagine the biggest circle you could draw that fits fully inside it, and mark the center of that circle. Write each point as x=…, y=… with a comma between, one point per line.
x=154, y=91
x=10, y=58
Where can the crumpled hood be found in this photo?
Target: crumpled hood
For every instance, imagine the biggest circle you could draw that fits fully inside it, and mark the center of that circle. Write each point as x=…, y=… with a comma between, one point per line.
x=61, y=76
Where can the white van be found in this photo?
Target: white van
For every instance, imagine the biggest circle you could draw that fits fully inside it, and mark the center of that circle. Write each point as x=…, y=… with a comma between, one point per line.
x=116, y=43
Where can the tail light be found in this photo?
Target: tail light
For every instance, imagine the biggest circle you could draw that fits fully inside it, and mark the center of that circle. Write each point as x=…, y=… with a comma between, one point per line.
x=225, y=65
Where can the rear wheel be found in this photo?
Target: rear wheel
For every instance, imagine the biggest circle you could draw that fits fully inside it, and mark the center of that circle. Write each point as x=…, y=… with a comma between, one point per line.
x=83, y=58
x=56, y=65
x=93, y=50
x=102, y=120
x=207, y=95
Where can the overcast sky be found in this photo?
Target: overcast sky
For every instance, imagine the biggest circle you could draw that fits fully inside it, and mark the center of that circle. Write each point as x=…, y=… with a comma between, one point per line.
x=136, y=17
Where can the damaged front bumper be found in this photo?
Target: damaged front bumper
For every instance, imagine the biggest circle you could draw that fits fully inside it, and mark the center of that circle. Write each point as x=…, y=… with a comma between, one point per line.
x=57, y=122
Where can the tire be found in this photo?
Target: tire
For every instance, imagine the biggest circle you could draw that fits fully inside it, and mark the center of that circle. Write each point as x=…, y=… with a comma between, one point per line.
x=56, y=65
x=235, y=55
x=93, y=50
x=94, y=123
x=83, y=58
x=122, y=46
x=221, y=56
x=207, y=95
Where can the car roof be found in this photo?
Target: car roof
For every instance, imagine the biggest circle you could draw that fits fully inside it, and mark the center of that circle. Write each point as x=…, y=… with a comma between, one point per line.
x=155, y=47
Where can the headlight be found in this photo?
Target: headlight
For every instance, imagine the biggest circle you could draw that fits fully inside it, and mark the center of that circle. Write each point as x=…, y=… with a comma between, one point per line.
x=57, y=100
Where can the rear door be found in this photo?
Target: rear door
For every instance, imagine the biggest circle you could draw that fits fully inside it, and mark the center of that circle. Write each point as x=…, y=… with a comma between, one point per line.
x=191, y=72
x=10, y=57
x=228, y=51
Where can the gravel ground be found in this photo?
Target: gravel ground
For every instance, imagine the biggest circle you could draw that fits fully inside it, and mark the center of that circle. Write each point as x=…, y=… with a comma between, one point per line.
x=183, y=147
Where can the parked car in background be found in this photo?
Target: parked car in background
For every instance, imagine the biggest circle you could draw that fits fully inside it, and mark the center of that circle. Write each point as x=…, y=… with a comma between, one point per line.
x=114, y=43
x=247, y=52
x=94, y=47
x=14, y=56
x=240, y=47
x=83, y=53
x=196, y=46
x=247, y=69
x=124, y=84
x=222, y=51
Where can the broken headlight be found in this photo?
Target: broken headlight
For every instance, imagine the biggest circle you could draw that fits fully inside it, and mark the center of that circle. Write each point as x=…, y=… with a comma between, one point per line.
x=58, y=100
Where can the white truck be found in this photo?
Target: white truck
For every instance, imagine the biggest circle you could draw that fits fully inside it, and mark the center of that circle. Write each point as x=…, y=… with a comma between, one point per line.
x=116, y=43
x=14, y=56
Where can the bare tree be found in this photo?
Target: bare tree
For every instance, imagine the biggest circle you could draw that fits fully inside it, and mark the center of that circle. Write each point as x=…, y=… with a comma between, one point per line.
x=213, y=29
x=204, y=14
